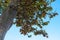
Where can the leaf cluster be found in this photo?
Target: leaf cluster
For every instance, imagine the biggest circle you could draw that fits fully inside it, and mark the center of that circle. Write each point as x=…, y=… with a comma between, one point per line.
x=32, y=12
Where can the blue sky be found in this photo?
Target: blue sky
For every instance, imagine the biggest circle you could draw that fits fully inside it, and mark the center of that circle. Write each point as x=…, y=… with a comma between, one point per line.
x=53, y=29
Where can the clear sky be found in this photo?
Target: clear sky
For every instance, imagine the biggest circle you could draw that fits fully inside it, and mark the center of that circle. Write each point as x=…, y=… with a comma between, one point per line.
x=53, y=29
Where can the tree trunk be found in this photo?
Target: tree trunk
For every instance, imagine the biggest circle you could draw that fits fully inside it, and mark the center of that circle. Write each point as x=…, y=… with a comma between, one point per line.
x=2, y=33
x=6, y=21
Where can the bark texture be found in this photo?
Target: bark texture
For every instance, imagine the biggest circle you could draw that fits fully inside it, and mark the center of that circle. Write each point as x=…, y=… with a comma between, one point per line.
x=6, y=20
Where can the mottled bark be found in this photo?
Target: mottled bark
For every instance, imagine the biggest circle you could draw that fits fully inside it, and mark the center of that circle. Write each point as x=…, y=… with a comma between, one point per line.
x=6, y=21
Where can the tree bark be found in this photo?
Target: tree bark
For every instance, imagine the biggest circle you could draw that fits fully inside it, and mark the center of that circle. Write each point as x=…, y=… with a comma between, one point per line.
x=6, y=21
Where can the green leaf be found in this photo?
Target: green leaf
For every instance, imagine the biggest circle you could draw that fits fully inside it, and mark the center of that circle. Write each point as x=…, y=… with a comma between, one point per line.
x=45, y=23
x=52, y=0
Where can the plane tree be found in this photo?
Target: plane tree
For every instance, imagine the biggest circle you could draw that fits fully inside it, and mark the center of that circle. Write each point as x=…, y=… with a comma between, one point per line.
x=26, y=13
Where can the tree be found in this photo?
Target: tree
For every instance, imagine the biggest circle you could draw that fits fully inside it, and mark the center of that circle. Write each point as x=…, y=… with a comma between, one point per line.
x=27, y=13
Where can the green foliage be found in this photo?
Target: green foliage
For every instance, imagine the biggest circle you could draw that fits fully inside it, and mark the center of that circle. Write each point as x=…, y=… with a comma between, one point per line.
x=32, y=12
x=41, y=32
x=4, y=4
x=45, y=23
x=26, y=16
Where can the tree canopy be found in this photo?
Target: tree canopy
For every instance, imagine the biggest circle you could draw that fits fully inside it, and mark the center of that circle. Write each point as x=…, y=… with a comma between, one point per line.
x=29, y=13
